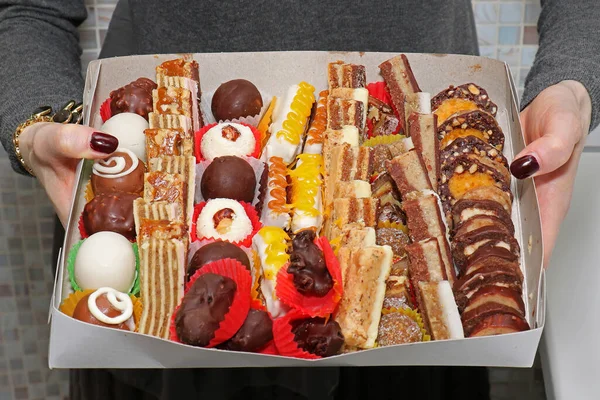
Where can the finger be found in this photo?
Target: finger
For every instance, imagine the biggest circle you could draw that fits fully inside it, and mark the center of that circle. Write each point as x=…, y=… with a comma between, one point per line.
x=76, y=141
x=549, y=152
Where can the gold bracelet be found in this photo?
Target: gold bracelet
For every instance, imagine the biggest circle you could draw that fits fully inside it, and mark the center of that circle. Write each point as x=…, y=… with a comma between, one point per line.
x=70, y=113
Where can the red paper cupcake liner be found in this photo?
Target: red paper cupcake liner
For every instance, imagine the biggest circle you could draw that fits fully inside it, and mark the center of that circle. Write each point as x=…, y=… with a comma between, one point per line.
x=240, y=305
x=84, y=234
x=311, y=305
x=199, y=134
x=246, y=242
x=380, y=92
x=105, y=112
x=284, y=338
x=270, y=349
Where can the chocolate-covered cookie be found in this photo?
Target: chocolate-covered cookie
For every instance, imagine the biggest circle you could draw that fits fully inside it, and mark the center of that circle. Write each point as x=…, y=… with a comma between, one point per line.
x=254, y=334
x=123, y=171
x=110, y=212
x=135, y=97
x=228, y=177
x=216, y=251
x=307, y=265
x=236, y=99
x=203, y=308
x=318, y=337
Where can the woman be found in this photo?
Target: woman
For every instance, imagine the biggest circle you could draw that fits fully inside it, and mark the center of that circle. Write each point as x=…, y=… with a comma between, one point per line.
x=561, y=103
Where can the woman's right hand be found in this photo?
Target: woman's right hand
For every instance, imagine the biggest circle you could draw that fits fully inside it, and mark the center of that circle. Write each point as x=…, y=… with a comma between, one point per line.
x=53, y=151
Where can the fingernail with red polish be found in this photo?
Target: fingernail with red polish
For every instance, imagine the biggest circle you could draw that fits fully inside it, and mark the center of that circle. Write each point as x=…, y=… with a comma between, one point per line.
x=524, y=167
x=104, y=143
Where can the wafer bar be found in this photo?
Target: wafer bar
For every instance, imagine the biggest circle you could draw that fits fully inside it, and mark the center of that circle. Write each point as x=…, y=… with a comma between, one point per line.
x=472, y=123
x=172, y=100
x=157, y=211
x=436, y=303
x=342, y=75
x=162, y=186
x=167, y=142
x=364, y=274
x=466, y=97
x=162, y=269
x=409, y=173
x=422, y=132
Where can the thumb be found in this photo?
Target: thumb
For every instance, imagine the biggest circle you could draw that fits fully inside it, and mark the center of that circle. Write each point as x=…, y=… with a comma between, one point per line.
x=76, y=141
x=550, y=151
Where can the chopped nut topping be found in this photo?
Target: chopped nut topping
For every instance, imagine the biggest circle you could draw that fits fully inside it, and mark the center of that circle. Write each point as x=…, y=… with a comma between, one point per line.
x=473, y=89
x=223, y=219
x=459, y=169
x=473, y=168
x=230, y=133
x=493, y=153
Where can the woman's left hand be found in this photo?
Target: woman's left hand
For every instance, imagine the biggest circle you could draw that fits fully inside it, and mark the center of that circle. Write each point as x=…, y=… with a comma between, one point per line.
x=555, y=124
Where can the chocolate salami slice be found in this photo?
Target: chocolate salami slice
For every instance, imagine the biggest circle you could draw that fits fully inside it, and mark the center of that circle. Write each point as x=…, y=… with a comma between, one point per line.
x=496, y=294
x=465, y=97
x=472, y=318
x=468, y=285
x=471, y=123
x=498, y=324
x=481, y=221
x=464, y=247
x=465, y=209
x=489, y=255
x=491, y=193
x=471, y=145
x=467, y=172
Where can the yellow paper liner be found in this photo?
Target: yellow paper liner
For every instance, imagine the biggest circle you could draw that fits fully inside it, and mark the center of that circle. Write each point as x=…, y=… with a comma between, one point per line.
x=393, y=225
x=265, y=122
x=384, y=139
x=68, y=305
x=412, y=314
x=89, y=192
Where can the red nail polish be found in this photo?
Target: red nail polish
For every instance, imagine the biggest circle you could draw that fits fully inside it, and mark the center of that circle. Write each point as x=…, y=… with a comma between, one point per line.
x=104, y=143
x=524, y=167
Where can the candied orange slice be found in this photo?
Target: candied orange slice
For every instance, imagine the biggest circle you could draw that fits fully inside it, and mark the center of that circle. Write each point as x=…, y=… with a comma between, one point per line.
x=459, y=184
x=458, y=133
x=453, y=106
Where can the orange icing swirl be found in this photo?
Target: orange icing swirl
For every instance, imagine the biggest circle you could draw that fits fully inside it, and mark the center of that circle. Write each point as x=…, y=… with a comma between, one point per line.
x=319, y=122
x=278, y=185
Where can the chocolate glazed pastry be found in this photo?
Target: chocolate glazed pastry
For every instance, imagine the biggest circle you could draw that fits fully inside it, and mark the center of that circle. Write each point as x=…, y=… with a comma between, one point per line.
x=228, y=177
x=216, y=251
x=317, y=337
x=236, y=99
x=110, y=212
x=135, y=97
x=254, y=334
x=307, y=265
x=203, y=308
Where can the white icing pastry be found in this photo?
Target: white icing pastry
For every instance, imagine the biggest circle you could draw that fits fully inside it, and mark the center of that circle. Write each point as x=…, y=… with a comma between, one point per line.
x=240, y=228
x=105, y=259
x=215, y=142
x=118, y=300
x=129, y=129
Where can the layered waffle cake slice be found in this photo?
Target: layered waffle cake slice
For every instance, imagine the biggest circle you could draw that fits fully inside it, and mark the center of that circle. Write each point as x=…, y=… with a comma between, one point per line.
x=343, y=75
x=351, y=211
x=364, y=273
x=165, y=214
x=162, y=270
x=162, y=186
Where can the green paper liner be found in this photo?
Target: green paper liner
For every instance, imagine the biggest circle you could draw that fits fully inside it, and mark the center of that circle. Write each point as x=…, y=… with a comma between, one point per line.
x=135, y=289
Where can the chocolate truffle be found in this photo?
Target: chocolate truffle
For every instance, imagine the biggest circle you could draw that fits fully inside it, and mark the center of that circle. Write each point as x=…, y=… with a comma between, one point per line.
x=236, y=99
x=203, y=308
x=83, y=313
x=229, y=177
x=307, y=265
x=317, y=337
x=254, y=334
x=216, y=251
x=110, y=212
x=121, y=172
x=136, y=97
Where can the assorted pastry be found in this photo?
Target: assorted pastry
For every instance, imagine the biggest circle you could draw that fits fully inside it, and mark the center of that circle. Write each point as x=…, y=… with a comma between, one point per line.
x=365, y=215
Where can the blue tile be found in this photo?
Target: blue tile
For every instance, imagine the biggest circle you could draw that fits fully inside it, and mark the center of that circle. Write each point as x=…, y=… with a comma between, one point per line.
x=532, y=13
x=486, y=13
x=511, y=12
x=509, y=35
x=528, y=55
x=487, y=35
x=487, y=51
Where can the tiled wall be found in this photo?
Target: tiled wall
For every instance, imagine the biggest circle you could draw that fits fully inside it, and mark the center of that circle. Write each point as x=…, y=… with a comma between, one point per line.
x=506, y=31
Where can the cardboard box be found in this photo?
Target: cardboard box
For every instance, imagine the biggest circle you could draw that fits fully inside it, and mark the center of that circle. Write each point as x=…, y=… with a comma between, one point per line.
x=74, y=344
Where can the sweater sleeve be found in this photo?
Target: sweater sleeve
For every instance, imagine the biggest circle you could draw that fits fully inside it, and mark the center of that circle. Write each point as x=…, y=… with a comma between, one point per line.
x=40, y=63
x=569, y=32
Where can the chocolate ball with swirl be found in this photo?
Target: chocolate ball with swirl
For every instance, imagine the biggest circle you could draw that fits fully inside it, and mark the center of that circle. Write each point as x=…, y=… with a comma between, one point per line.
x=123, y=171
x=106, y=307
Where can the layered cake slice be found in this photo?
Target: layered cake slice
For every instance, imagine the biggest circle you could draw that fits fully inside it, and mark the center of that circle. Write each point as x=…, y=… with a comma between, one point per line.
x=419, y=102
x=356, y=188
x=342, y=75
x=347, y=163
x=356, y=238
x=340, y=97
x=422, y=132
x=409, y=173
x=425, y=262
x=440, y=314
x=364, y=273
x=156, y=211
x=177, y=122
x=162, y=270
x=345, y=211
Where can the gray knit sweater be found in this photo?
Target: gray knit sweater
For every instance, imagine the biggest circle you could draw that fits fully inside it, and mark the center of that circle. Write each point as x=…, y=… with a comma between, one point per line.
x=39, y=63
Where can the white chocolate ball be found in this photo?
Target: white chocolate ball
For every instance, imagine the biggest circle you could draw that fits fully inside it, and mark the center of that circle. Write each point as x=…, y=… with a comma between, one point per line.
x=129, y=129
x=105, y=259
